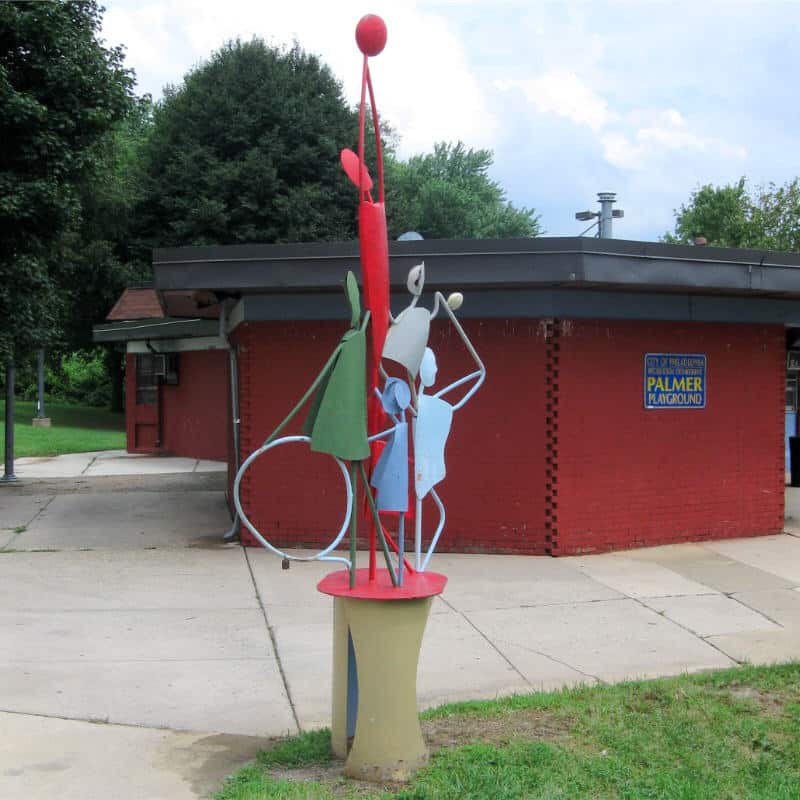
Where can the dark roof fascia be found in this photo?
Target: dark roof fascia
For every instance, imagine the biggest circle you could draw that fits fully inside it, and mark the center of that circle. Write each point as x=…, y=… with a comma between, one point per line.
x=539, y=303
x=142, y=329
x=488, y=263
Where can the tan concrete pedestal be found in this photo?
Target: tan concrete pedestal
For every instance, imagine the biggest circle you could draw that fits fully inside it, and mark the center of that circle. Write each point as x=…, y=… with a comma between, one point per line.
x=376, y=646
x=41, y=422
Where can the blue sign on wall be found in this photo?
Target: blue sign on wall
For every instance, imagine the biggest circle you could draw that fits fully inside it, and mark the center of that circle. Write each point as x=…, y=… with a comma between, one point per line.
x=674, y=380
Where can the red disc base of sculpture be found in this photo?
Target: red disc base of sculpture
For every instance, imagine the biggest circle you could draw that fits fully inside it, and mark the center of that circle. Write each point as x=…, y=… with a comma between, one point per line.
x=415, y=585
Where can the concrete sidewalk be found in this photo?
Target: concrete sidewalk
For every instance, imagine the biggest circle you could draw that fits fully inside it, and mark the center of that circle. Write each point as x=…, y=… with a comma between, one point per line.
x=128, y=629
x=109, y=462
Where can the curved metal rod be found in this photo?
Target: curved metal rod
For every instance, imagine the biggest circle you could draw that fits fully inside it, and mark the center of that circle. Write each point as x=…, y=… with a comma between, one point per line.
x=382, y=434
x=434, y=541
x=323, y=554
x=481, y=371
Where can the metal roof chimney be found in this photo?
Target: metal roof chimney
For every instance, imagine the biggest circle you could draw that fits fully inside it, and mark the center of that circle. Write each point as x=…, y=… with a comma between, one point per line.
x=606, y=228
x=604, y=216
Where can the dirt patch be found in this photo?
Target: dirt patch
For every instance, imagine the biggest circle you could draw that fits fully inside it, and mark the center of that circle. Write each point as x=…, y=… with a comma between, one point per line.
x=333, y=777
x=532, y=724
x=770, y=703
x=745, y=693
x=211, y=542
x=439, y=733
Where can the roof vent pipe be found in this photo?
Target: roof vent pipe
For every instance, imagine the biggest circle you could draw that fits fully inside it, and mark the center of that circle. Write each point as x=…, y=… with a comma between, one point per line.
x=604, y=216
x=605, y=229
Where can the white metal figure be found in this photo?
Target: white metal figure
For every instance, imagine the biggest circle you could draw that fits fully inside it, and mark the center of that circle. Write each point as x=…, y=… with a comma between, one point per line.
x=406, y=344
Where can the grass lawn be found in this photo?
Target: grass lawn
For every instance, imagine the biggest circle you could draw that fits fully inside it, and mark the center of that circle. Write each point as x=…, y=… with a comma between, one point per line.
x=75, y=429
x=726, y=735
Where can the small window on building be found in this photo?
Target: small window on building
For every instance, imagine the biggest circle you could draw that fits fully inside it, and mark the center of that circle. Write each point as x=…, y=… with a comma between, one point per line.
x=147, y=368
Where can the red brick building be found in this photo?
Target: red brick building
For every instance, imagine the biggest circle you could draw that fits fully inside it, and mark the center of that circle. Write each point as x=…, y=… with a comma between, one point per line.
x=176, y=372
x=558, y=453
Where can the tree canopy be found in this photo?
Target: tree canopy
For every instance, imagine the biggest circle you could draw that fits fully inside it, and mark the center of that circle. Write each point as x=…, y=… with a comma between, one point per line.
x=61, y=91
x=448, y=194
x=100, y=258
x=246, y=149
x=767, y=217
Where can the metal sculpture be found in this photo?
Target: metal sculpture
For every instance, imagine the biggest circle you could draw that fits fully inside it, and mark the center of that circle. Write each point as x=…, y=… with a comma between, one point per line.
x=359, y=415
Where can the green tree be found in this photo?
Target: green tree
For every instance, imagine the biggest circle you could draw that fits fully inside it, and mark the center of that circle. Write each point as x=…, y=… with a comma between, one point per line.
x=100, y=258
x=732, y=216
x=448, y=194
x=61, y=91
x=246, y=149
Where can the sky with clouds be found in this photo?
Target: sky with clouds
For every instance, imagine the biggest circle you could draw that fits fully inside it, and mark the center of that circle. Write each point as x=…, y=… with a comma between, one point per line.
x=646, y=98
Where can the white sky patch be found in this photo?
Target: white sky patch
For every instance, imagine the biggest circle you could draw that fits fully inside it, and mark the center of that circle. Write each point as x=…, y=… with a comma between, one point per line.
x=665, y=132
x=565, y=95
x=149, y=44
x=423, y=82
x=628, y=140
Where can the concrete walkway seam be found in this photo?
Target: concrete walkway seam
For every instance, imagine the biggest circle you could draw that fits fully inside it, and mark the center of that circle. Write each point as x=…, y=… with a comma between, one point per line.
x=489, y=641
x=640, y=601
x=274, y=642
x=86, y=468
x=731, y=596
x=622, y=596
x=100, y=721
x=30, y=522
x=663, y=615
x=40, y=511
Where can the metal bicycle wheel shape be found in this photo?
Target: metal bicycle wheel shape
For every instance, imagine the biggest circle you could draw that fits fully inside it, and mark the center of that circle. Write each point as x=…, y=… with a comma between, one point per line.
x=322, y=555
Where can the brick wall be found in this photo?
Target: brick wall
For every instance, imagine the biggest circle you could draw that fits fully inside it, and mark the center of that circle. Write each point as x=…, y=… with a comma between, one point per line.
x=194, y=412
x=494, y=489
x=556, y=453
x=293, y=496
x=629, y=477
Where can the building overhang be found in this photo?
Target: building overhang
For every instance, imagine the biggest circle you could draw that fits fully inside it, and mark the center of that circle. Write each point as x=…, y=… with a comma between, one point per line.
x=569, y=262
x=185, y=345
x=154, y=329
x=540, y=303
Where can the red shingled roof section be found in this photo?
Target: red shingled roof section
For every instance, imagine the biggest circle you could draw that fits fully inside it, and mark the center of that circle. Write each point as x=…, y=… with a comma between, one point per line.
x=137, y=304
x=151, y=304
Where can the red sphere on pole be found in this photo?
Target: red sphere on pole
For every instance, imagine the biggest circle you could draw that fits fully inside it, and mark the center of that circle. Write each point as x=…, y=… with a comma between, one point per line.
x=371, y=34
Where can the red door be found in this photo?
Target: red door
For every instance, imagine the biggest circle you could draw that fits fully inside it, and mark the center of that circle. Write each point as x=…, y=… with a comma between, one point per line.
x=143, y=417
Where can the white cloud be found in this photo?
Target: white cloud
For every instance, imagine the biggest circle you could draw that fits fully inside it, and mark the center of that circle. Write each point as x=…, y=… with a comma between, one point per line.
x=423, y=81
x=628, y=139
x=666, y=132
x=565, y=95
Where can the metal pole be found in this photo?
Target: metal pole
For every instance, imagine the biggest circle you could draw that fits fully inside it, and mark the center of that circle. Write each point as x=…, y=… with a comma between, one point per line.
x=605, y=228
x=40, y=358
x=233, y=361
x=9, y=466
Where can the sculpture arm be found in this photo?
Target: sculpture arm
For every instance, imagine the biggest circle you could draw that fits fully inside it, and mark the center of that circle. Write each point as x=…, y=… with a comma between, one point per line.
x=479, y=375
x=383, y=434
